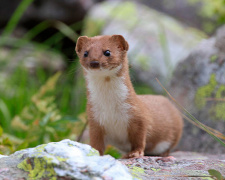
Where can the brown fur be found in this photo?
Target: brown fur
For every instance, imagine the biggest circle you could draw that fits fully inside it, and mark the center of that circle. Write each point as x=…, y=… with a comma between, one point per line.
x=153, y=118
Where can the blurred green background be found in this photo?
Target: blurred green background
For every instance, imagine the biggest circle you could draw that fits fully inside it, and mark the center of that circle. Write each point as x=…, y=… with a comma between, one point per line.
x=42, y=90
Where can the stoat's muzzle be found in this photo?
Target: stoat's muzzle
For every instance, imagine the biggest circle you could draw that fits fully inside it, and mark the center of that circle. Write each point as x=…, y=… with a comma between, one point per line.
x=94, y=64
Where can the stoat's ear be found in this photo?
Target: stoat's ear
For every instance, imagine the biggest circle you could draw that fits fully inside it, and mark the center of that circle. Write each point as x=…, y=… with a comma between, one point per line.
x=81, y=41
x=120, y=41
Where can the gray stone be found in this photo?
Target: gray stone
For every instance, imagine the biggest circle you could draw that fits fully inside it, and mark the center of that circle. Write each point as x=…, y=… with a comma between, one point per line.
x=199, y=85
x=180, y=10
x=67, y=11
x=179, y=166
x=2, y=156
x=157, y=42
x=71, y=160
x=60, y=160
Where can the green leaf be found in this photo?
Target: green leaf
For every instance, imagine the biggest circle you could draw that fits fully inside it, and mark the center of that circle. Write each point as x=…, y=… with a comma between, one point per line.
x=45, y=119
x=66, y=30
x=1, y=131
x=4, y=110
x=113, y=152
x=216, y=174
x=16, y=17
x=7, y=142
x=22, y=146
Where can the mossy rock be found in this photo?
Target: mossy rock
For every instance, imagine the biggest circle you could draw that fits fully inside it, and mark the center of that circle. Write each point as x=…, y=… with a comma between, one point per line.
x=157, y=42
x=62, y=160
x=198, y=84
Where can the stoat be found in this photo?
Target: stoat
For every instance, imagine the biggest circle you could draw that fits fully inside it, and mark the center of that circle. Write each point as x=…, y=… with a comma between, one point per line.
x=136, y=124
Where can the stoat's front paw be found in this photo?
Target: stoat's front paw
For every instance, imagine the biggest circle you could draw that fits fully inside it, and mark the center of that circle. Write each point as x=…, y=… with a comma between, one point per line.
x=133, y=154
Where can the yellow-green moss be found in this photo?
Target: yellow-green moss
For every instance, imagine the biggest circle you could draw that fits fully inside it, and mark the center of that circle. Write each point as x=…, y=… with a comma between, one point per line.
x=218, y=111
x=124, y=11
x=221, y=92
x=41, y=168
x=213, y=58
x=143, y=61
x=205, y=92
x=40, y=148
x=136, y=171
x=93, y=27
x=61, y=159
x=212, y=90
x=156, y=170
x=93, y=152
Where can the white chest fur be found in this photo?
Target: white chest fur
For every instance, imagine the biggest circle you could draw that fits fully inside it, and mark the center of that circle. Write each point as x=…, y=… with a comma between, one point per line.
x=108, y=99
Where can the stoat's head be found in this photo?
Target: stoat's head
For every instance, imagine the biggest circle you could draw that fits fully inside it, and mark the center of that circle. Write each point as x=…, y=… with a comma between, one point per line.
x=101, y=53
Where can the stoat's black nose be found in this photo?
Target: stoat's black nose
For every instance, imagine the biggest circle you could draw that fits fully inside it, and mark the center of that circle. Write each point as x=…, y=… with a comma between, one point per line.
x=94, y=64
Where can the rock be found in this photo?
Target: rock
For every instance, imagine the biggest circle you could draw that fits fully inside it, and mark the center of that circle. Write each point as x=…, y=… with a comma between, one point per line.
x=31, y=58
x=199, y=85
x=2, y=156
x=180, y=10
x=61, y=160
x=181, y=165
x=157, y=42
x=72, y=160
x=40, y=10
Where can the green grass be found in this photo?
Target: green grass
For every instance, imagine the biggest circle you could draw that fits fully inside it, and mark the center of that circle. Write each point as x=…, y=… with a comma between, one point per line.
x=24, y=121
x=11, y=25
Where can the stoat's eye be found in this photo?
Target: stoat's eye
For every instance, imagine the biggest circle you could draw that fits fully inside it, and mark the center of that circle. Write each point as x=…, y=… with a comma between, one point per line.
x=85, y=54
x=107, y=53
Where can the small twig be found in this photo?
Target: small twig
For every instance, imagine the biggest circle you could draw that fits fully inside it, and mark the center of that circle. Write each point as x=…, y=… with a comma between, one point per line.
x=82, y=132
x=176, y=176
x=215, y=99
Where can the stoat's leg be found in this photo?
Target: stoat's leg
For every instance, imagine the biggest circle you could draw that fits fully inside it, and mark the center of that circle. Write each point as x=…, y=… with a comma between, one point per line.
x=137, y=137
x=165, y=154
x=96, y=136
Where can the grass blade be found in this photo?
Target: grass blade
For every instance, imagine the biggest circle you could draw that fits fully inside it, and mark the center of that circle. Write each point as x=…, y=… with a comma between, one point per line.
x=66, y=30
x=16, y=17
x=215, y=132
x=4, y=111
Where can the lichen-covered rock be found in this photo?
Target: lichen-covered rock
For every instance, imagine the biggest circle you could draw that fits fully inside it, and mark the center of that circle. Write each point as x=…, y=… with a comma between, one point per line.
x=71, y=160
x=62, y=160
x=157, y=42
x=199, y=85
x=182, y=166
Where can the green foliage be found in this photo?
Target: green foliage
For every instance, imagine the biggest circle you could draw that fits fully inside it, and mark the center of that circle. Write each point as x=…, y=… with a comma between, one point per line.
x=30, y=115
x=41, y=121
x=10, y=143
x=143, y=89
x=113, y=152
x=213, y=10
x=216, y=174
x=16, y=17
